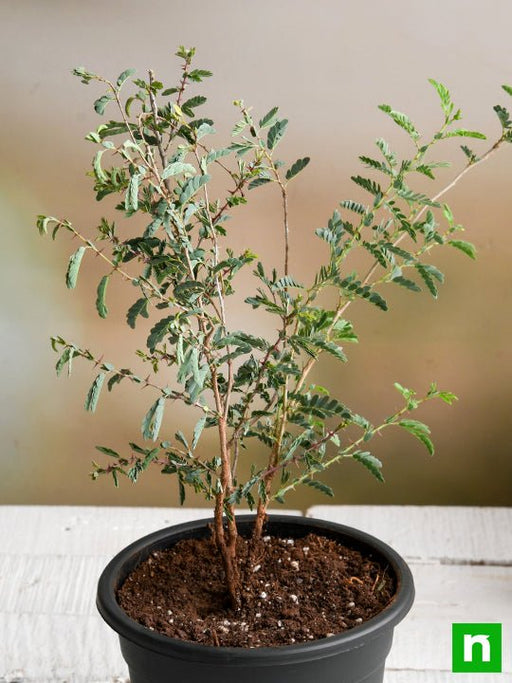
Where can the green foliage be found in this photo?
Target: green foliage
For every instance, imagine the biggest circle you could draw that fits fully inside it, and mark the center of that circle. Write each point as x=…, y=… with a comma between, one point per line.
x=297, y=167
x=93, y=394
x=73, y=267
x=155, y=158
x=420, y=430
x=153, y=420
x=101, y=306
x=276, y=132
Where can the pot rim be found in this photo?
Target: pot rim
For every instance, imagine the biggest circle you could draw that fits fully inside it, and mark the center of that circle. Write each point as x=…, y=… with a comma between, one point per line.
x=137, y=551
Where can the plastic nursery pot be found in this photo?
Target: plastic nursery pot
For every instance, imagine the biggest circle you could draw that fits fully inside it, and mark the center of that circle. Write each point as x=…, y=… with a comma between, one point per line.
x=355, y=656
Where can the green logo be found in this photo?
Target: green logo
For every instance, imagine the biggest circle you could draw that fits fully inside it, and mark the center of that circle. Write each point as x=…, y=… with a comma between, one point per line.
x=476, y=648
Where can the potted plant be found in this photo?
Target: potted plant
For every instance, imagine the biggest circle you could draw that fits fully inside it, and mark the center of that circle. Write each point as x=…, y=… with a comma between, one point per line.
x=250, y=619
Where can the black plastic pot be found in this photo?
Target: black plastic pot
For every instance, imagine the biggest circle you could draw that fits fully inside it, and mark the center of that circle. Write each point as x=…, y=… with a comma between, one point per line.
x=356, y=656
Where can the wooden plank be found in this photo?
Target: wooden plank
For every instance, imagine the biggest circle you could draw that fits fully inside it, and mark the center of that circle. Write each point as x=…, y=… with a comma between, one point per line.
x=447, y=594
x=52, y=556
x=448, y=534
x=80, y=530
x=57, y=585
x=408, y=676
x=69, y=530
x=49, y=647
x=40, y=596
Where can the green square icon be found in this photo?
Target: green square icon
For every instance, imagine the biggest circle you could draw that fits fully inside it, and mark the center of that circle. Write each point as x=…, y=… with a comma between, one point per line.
x=476, y=648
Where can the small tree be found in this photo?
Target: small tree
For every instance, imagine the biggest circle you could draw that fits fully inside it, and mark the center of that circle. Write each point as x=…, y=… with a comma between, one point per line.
x=243, y=386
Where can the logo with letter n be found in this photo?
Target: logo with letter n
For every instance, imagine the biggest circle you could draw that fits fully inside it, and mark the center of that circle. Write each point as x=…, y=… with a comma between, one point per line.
x=476, y=648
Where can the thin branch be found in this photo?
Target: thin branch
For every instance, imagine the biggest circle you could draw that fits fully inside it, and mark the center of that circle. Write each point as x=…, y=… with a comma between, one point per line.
x=342, y=307
x=436, y=197
x=158, y=136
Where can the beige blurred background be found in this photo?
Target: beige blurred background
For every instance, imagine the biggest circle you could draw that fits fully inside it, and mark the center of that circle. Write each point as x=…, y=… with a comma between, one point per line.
x=327, y=65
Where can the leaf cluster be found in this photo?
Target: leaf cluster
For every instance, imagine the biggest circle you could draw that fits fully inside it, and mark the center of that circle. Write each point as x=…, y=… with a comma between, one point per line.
x=157, y=158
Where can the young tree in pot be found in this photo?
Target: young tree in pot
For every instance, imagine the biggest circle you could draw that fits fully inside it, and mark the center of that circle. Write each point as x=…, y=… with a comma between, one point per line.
x=245, y=387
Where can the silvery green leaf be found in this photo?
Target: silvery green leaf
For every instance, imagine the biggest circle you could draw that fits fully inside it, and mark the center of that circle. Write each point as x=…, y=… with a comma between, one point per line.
x=153, y=420
x=101, y=306
x=73, y=267
x=124, y=76
x=176, y=168
x=93, y=395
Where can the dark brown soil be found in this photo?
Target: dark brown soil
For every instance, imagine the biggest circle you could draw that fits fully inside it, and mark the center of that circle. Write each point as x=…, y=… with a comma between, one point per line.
x=294, y=590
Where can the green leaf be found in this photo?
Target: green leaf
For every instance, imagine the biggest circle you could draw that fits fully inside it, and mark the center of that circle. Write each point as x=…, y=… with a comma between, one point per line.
x=386, y=152
x=213, y=154
x=131, y=202
x=181, y=438
x=463, y=133
x=425, y=170
x=448, y=214
x=73, y=267
x=84, y=75
x=258, y=181
x=466, y=247
x=153, y=420
x=330, y=347
x=285, y=282
x=101, y=103
x=415, y=197
x=96, y=164
x=188, y=291
x=189, y=106
x=320, y=486
x=192, y=186
x=343, y=329
x=406, y=393
x=448, y=397
x=204, y=129
x=503, y=116
x=124, y=76
x=420, y=430
x=93, y=395
x=428, y=274
x=472, y=157
x=177, y=168
x=100, y=297
x=197, y=75
x=269, y=117
x=158, y=332
x=401, y=120
x=371, y=463
x=376, y=252
x=140, y=307
x=297, y=167
x=239, y=127
x=507, y=89
x=444, y=96
x=108, y=451
x=198, y=431
x=367, y=184
x=356, y=207
x=408, y=284
x=66, y=358
x=275, y=133
x=43, y=222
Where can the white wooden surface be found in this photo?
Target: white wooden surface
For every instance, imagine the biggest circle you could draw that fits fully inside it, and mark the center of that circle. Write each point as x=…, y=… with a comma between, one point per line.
x=51, y=557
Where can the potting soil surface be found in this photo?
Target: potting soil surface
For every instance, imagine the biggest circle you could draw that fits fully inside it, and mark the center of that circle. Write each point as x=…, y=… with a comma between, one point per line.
x=294, y=591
